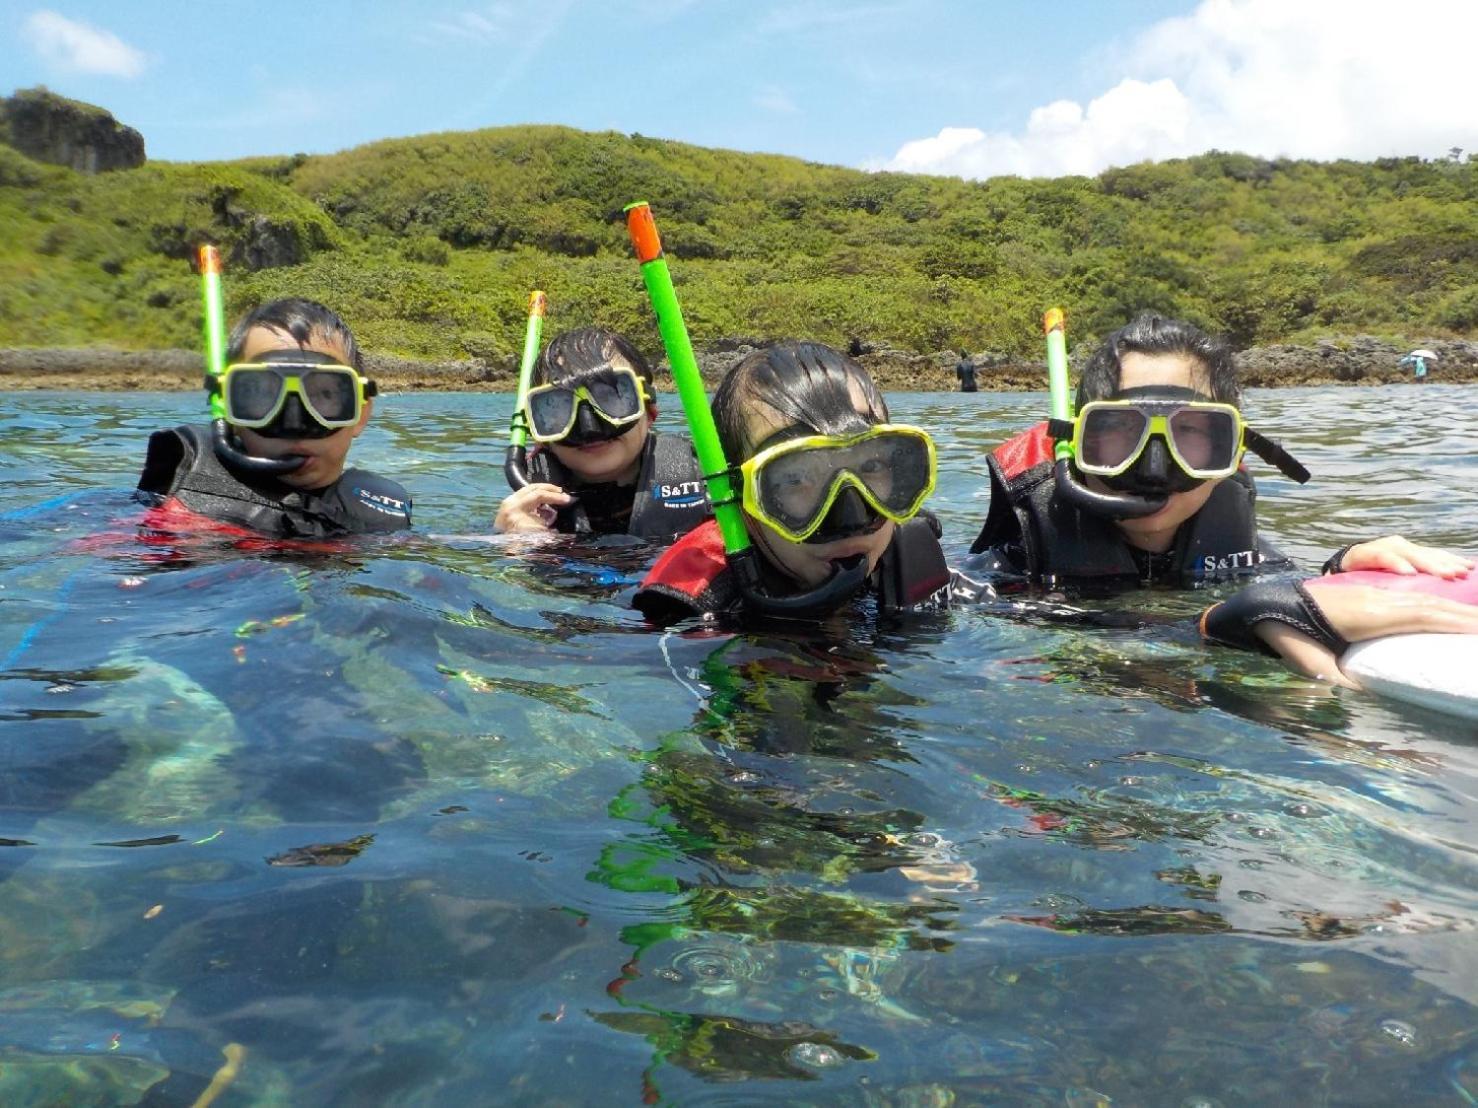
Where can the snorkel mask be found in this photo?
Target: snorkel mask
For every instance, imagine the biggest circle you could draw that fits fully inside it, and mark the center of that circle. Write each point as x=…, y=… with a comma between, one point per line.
x=1145, y=443
x=294, y=394
x=823, y=488
x=850, y=574
x=598, y=405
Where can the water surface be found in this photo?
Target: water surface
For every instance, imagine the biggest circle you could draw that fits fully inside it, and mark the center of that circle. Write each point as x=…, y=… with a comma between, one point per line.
x=435, y=820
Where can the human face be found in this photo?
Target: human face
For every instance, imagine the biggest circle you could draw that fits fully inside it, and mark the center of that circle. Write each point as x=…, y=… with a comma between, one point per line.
x=617, y=459
x=809, y=564
x=1156, y=532
x=323, y=458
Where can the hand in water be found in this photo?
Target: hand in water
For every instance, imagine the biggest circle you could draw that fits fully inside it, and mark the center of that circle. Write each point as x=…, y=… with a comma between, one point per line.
x=531, y=508
x=1395, y=554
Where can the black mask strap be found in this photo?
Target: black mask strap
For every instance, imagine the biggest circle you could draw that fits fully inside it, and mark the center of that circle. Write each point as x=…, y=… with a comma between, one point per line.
x=1274, y=454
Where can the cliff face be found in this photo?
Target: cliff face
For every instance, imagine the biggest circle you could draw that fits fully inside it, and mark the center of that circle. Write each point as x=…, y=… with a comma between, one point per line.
x=53, y=129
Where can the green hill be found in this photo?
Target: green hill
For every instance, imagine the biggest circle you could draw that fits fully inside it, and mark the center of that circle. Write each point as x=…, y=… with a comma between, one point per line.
x=428, y=245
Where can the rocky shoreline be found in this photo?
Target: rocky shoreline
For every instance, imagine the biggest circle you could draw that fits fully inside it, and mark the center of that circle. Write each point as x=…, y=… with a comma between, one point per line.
x=1360, y=360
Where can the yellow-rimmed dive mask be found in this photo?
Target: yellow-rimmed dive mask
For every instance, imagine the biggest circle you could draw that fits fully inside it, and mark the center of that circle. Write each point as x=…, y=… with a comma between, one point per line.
x=791, y=486
x=618, y=396
x=264, y=395
x=1203, y=437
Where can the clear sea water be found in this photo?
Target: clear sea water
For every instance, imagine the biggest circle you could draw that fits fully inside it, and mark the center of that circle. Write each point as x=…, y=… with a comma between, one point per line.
x=438, y=821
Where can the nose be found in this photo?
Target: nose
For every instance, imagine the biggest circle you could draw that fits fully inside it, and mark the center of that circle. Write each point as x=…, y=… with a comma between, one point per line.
x=1154, y=467
x=294, y=415
x=586, y=421
x=849, y=515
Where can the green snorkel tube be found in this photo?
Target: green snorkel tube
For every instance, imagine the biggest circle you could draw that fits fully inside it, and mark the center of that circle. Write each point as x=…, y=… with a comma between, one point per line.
x=215, y=368
x=719, y=475
x=1060, y=427
x=518, y=428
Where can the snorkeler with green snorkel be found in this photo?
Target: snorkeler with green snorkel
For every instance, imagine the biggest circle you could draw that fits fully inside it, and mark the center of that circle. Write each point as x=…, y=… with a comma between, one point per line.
x=1144, y=484
x=598, y=465
x=287, y=398
x=825, y=502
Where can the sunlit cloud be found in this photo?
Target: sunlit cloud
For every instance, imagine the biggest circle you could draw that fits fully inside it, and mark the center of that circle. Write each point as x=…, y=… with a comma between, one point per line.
x=78, y=47
x=772, y=98
x=489, y=23
x=1316, y=79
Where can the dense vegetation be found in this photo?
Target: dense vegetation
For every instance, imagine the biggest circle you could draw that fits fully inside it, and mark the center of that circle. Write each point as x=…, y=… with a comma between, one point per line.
x=429, y=245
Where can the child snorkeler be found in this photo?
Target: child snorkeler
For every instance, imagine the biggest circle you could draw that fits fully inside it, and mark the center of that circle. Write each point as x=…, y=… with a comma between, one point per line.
x=295, y=400
x=1156, y=494
x=831, y=496
x=601, y=467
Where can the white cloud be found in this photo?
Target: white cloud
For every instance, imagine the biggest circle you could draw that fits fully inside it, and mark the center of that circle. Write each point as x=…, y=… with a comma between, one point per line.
x=491, y=23
x=80, y=47
x=1311, y=79
x=773, y=98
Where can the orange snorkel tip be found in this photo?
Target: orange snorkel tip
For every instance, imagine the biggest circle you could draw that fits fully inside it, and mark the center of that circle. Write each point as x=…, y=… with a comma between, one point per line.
x=538, y=304
x=1053, y=320
x=210, y=260
x=643, y=231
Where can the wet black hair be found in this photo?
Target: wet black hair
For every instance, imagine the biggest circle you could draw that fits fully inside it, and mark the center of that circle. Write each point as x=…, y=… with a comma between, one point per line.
x=805, y=383
x=300, y=320
x=1154, y=334
x=571, y=355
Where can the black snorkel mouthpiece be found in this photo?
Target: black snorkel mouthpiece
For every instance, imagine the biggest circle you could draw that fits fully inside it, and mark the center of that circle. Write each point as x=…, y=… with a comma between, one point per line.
x=847, y=579
x=233, y=457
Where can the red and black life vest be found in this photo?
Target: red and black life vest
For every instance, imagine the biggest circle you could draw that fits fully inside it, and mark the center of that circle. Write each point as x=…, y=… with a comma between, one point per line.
x=692, y=576
x=1054, y=541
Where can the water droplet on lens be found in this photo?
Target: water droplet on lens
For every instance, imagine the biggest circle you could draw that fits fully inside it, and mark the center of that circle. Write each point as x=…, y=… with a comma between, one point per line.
x=1253, y=897
x=1131, y=780
x=1262, y=833
x=1400, y=1031
x=743, y=777
x=1303, y=811
x=827, y=995
x=1236, y=817
x=667, y=973
x=924, y=839
x=817, y=1056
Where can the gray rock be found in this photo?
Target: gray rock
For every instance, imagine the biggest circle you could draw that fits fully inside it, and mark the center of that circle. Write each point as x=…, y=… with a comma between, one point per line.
x=53, y=129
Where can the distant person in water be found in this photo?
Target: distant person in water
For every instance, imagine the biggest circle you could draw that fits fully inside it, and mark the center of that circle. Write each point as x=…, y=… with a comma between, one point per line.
x=1156, y=493
x=599, y=466
x=294, y=390
x=965, y=371
x=832, y=492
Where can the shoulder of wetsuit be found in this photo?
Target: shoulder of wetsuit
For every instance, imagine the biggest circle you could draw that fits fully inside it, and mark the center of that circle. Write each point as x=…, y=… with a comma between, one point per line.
x=169, y=453
x=912, y=569
x=692, y=577
x=1015, y=467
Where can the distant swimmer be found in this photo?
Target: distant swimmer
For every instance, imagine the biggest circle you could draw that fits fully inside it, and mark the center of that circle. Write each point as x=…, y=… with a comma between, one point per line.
x=965, y=371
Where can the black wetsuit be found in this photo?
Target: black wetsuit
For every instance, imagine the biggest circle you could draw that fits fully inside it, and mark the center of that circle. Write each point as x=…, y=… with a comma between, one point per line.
x=182, y=464
x=667, y=499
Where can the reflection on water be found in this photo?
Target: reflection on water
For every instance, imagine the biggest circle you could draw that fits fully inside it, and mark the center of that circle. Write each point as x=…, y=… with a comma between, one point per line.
x=438, y=816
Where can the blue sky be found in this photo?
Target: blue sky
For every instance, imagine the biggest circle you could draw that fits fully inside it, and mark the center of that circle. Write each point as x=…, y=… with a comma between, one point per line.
x=948, y=86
